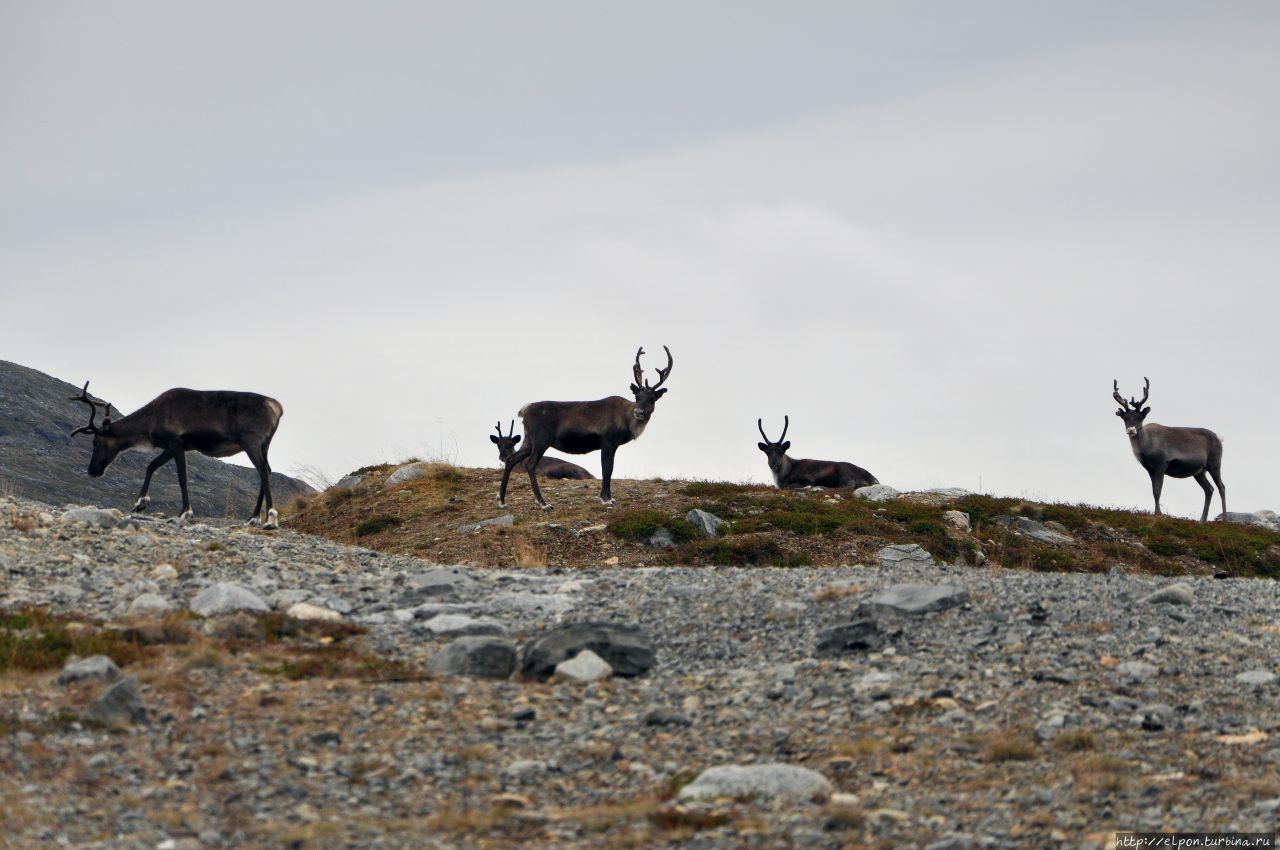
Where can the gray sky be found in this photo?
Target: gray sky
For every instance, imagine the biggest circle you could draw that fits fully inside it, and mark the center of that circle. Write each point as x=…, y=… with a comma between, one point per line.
x=932, y=233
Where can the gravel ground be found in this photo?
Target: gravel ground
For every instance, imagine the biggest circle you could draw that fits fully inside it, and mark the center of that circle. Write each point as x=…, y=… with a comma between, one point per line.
x=1039, y=710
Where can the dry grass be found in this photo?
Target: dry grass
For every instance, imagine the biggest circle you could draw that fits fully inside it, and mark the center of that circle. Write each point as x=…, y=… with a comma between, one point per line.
x=1099, y=773
x=1011, y=745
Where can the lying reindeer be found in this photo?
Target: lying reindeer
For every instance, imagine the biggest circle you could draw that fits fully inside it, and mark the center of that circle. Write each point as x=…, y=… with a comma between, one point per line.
x=216, y=423
x=549, y=467
x=789, y=472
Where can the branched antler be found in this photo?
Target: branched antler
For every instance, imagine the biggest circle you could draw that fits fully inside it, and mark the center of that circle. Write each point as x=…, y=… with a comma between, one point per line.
x=662, y=373
x=91, y=428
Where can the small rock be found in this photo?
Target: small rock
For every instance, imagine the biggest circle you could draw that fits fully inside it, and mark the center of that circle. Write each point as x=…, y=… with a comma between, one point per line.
x=916, y=598
x=861, y=635
x=1035, y=530
x=346, y=482
x=102, y=518
x=707, y=523
x=662, y=539
x=1136, y=670
x=150, y=603
x=906, y=554
x=1174, y=594
x=759, y=781
x=306, y=611
x=223, y=596
x=959, y=520
x=627, y=649
x=164, y=572
x=480, y=656
x=585, y=667
x=119, y=705
x=951, y=842
x=460, y=625
x=409, y=472
x=1257, y=678
x=665, y=717
x=505, y=519
x=877, y=493
x=97, y=668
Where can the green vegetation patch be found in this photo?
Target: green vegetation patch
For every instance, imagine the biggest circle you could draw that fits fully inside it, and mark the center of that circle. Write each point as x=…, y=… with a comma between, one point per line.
x=751, y=550
x=34, y=639
x=373, y=525
x=639, y=524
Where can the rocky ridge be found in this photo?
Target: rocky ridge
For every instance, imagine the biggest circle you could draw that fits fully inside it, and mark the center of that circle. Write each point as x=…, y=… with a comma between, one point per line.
x=949, y=706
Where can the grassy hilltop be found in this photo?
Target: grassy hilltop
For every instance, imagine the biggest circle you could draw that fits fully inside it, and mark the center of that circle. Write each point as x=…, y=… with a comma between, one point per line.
x=768, y=527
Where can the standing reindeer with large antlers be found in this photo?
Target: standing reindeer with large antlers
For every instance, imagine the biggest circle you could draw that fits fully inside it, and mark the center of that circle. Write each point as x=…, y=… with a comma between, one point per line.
x=579, y=427
x=1177, y=452
x=790, y=472
x=217, y=423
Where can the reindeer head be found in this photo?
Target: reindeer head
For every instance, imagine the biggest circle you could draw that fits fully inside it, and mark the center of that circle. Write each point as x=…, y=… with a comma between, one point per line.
x=1132, y=411
x=106, y=446
x=506, y=444
x=776, y=452
x=647, y=396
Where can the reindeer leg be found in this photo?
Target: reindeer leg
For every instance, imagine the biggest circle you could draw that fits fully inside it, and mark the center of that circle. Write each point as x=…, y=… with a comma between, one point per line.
x=180, y=461
x=606, y=473
x=1157, y=484
x=143, y=499
x=1222, y=488
x=259, y=460
x=534, y=457
x=516, y=457
x=1203, y=481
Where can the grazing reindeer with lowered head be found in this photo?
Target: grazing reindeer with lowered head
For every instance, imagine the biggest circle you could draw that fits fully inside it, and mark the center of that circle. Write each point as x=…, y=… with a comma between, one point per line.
x=1179, y=452
x=579, y=427
x=551, y=467
x=215, y=423
x=789, y=472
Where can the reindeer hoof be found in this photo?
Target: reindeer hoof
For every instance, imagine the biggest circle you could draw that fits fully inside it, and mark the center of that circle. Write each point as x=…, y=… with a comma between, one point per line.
x=251, y=521
x=502, y=503
x=273, y=520
x=186, y=515
x=141, y=505
x=546, y=506
x=608, y=503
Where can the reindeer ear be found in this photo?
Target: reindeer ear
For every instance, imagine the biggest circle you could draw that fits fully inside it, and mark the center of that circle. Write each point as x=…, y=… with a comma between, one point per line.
x=1145, y=411
x=764, y=447
x=516, y=440
x=634, y=389
x=660, y=392
x=495, y=439
x=1119, y=413
x=786, y=445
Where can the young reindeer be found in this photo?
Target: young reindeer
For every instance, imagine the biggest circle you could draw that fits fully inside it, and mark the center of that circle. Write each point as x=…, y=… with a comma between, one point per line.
x=788, y=472
x=579, y=427
x=215, y=423
x=1178, y=452
x=551, y=467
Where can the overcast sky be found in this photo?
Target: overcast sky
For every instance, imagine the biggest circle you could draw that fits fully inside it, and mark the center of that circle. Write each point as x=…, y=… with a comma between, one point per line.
x=931, y=233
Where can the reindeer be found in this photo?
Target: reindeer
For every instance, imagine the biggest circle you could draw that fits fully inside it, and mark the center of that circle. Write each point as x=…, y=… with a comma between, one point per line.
x=1179, y=452
x=550, y=467
x=788, y=472
x=215, y=423
x=579, y=427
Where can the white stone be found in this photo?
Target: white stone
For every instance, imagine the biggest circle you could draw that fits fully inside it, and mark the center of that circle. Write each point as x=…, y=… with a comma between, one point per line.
x=150, y=603
x=584, y=667
x=759, y=781
x=307, y=611
x=409, y=472
x=223, y=596
x=877, y=493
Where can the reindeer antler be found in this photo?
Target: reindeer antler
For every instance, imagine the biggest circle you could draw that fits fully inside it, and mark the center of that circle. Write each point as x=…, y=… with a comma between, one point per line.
x=91, y=428
x=1146, y=391
x=511, y=429
x=785, y=426
x=786, y=423
x=1115, y=393
x=662, y=373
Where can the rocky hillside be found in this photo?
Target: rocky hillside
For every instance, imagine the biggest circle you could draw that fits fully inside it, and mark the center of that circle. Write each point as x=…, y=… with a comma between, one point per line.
x=450, y=514
x=241, y=688
x=38, y=460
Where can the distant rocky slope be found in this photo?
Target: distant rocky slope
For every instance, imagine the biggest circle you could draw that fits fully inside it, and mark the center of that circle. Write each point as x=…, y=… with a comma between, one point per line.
x=38, y=460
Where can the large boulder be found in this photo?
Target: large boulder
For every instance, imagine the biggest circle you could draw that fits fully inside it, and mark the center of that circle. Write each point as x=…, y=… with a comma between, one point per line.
x=706, y=522
x=859, y=635
x=877, y=493
x=409, y=472
x=916, y=599
x=223, y=597
x=1262, y=519
x=625, y=648
x=759, y=781
x=96, y=668
x=905, y=555
x=1037, y=531
x=483, y=657
x=117, y=706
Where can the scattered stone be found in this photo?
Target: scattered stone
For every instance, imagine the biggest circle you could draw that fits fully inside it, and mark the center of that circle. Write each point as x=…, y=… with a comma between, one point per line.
x=916, y=598
x=460, y=625
x=1136, y=670
x=665, y=717
x=480, y=656
x=96, y=668
x=585, y=667
x=1037, y=531
x=1257, y=678
x=346, y=482
x=625, y=648
x=149, y=603
x=951, y=842
x=759, y=781
x=164, y=572
x=662, y=539
x=707, y=523
x=906, y=555
x=1174, y=594
x=223, y=597
x=530, y=602
x=505, y=519
x=441, y=581
x=409, y=472
x=1263, y=519
x=860, y=635
x=959, y=520
x=117, y=706
x=877, y=493
x=98, y=517
x=306, y=611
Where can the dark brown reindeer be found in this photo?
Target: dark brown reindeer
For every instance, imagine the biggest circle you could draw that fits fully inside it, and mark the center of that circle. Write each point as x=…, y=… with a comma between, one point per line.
x=216, y=423
x=550, y=467
x=579, y=427
x=1177, y=452
x=789, y=472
